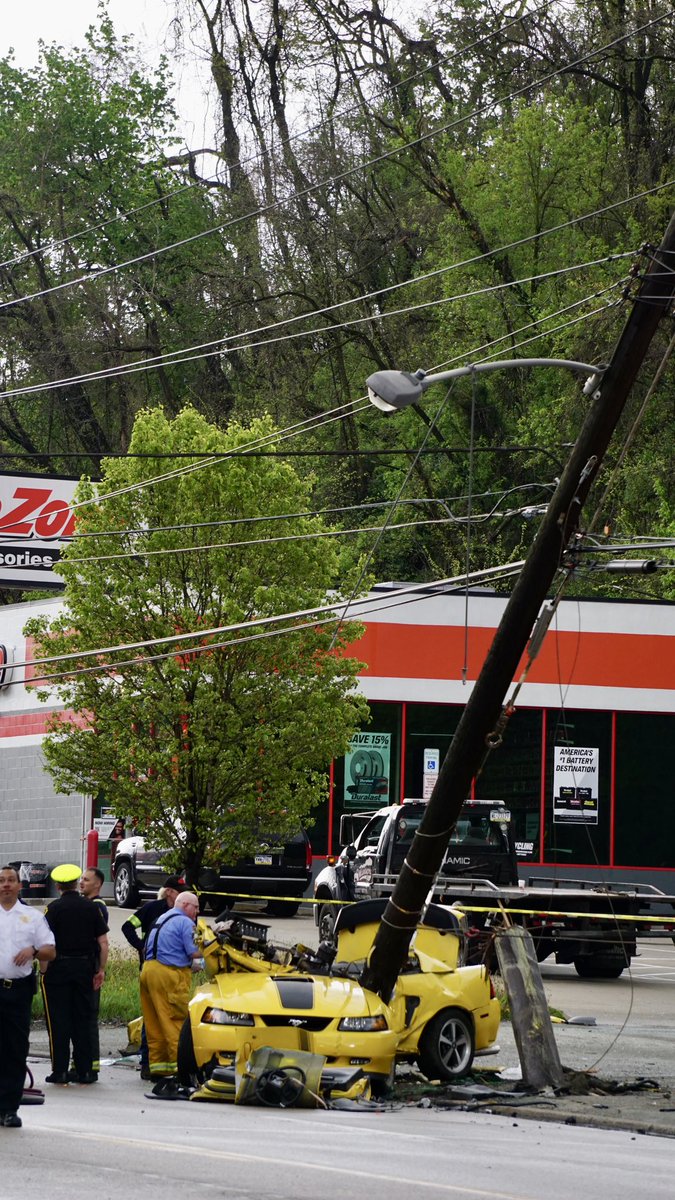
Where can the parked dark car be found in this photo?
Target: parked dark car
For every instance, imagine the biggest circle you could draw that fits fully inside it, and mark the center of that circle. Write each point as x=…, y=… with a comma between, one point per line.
x=280, y=872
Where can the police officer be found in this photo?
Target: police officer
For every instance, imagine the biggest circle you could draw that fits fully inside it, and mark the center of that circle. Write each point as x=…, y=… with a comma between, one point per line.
x=68, y=986
x=24, y=936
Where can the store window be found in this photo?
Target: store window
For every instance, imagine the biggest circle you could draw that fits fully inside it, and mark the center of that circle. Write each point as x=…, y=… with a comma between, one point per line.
x=368, y=776
x=512, y=773
x=429, y=731
x=645, y=790
x=578, y=788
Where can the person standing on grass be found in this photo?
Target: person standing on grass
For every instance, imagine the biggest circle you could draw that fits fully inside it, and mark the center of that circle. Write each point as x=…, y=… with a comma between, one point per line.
x=24, y=936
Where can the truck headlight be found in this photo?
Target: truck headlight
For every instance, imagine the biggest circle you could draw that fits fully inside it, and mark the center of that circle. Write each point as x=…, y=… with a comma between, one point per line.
x=221, y=1016
x=362, y=1024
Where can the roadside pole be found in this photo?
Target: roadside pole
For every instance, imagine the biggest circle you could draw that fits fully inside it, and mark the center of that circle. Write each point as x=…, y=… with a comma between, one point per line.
x=482, y=711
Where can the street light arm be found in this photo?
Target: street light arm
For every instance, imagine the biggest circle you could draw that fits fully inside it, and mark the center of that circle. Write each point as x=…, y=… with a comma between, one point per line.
x=392, y=390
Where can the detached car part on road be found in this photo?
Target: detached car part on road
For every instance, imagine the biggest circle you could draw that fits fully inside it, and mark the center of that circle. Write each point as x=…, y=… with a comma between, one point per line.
x=440, y=1015
x=282, y=871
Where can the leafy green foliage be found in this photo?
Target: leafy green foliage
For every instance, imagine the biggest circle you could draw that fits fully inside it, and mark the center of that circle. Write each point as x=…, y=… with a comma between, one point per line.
x=212, y=750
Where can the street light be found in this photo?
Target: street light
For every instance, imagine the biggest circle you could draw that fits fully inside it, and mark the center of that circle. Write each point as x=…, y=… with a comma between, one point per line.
x=391, y=390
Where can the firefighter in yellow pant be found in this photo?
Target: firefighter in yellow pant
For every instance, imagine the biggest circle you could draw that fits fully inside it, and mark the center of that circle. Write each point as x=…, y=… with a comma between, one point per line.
x=165, y=990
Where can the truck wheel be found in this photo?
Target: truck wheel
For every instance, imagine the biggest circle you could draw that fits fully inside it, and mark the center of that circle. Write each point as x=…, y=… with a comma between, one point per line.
x=126, y=895
x=447, y=1045
x=327, y=915
x=283, y=908
x=189, y=1073
x=597, y=966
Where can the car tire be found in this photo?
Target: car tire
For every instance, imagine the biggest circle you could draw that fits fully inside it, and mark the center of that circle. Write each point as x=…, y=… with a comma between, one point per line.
x=598, y=966
x=283, y=908
x=447, y=1045
x=189, y=1074
x=126, y=893
x=327, y=917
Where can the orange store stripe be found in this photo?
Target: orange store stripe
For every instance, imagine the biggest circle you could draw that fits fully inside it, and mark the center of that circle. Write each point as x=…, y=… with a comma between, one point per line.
x=592, y=659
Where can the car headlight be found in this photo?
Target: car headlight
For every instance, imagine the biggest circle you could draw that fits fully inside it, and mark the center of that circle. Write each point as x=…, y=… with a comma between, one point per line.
x=221, y=1016
x=363, y=1024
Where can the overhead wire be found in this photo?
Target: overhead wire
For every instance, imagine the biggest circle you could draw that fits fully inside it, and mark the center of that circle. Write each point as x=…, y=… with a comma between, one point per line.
x=410, y=594
x=223, y=346
x=315, y=535
x=444, y=501
x=356, y=406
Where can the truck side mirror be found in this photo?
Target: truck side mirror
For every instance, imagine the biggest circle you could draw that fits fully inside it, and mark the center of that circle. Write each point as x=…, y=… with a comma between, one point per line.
x=350, y=851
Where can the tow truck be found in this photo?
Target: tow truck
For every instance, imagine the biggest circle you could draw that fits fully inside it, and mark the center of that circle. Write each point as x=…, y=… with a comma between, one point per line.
x=577, y=921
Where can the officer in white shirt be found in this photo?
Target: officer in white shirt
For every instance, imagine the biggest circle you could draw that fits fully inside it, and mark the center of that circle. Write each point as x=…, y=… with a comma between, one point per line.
x=24, y=936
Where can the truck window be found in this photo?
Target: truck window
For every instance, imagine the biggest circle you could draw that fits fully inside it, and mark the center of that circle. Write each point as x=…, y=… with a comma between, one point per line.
x=370, y=836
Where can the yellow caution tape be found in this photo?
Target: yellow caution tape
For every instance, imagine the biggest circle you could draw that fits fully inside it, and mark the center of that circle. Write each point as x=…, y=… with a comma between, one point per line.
x=545, y=912
x=469, y=908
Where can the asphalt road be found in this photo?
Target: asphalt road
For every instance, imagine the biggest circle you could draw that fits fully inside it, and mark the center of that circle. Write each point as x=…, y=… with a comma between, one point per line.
x=115, y=1141
x=110, y=1141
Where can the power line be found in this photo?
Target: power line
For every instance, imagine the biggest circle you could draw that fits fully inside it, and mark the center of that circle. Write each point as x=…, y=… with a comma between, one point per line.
x=270, y=518
x=309, y=424
x=56, y=244
x=170, y=358
x=413, y=593
x=199, y=548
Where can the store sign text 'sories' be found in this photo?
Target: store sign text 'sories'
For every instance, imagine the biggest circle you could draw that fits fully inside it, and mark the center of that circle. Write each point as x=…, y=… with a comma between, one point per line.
x=35, y=517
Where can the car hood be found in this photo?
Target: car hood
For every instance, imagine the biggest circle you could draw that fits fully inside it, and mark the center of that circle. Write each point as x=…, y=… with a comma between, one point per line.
x=318, y=994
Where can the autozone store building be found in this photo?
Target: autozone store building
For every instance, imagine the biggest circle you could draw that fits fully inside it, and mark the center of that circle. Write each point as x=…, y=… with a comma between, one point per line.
x=585, y=766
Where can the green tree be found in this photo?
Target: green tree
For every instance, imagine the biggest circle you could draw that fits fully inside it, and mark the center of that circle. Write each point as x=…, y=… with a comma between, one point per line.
x=208, y=750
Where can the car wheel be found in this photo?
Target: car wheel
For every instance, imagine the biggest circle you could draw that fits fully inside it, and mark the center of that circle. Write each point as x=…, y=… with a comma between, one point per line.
x=189, y=1074
x=126, y=894
x=447, y=1045
x=283, y=908
x=598, y=966
x=327, y=915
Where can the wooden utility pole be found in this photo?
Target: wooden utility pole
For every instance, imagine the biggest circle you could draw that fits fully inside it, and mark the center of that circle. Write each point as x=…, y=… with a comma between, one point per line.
x=481, y=714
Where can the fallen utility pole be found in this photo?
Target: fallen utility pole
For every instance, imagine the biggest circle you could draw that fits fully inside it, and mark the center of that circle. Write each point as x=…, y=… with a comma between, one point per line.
x=481, y=714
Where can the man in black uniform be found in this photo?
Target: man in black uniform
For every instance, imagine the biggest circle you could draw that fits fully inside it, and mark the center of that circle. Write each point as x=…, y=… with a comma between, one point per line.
x=68, y=987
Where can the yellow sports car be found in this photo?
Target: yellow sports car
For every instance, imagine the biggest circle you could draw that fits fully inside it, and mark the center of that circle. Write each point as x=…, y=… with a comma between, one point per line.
x=260, y=995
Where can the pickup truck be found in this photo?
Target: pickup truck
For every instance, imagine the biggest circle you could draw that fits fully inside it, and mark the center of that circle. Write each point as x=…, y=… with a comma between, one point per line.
x=279, y=870
x=574, y=920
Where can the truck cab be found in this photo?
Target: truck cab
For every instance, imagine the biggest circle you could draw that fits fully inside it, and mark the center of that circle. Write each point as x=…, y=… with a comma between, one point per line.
x=375, y=845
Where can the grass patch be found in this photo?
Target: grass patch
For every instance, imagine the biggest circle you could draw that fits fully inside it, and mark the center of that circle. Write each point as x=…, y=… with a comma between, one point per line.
x=120, y=997
x=505, y=1007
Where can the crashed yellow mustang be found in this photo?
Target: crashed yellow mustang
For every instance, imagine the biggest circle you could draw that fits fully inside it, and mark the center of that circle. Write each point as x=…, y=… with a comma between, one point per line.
x=258, y=994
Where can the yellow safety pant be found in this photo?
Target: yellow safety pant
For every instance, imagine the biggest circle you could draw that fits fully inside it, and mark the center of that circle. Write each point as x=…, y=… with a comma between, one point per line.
x=165, y=993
